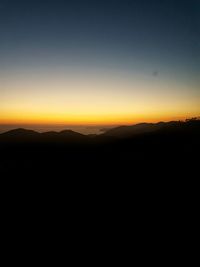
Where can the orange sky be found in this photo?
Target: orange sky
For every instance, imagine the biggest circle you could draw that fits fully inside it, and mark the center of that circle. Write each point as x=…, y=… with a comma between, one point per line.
x=85, y=98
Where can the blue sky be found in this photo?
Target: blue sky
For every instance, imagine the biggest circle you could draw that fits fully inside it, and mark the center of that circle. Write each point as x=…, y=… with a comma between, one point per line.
x=149, y=39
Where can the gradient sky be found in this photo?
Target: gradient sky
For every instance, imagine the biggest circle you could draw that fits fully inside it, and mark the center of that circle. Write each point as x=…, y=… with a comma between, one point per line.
x=100, y=61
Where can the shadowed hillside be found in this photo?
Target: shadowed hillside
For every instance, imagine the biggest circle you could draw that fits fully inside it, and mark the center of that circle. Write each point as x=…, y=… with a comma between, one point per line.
x=136, y=148
x=141, y=128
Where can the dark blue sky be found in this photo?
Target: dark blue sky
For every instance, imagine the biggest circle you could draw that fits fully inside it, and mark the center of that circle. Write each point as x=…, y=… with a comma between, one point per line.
x=156, y=33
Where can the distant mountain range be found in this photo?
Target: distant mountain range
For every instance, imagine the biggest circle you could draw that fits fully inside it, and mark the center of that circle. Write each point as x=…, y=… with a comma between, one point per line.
x=160, y=127
x=117, y=132
x=128, y=131
x=24, y=135
x=126, y=151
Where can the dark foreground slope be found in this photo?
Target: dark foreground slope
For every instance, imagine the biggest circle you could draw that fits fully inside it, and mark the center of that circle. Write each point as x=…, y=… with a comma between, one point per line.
x=145, y=182
x=158, y=149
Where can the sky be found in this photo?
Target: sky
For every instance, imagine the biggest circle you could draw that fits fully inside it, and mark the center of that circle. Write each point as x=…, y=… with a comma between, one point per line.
x=84, y=62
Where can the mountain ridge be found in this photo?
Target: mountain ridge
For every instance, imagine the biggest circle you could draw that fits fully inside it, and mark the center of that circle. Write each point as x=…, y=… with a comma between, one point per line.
x=116, y=132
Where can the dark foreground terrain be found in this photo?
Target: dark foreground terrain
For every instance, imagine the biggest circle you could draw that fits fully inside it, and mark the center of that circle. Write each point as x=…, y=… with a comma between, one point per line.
x=141, y=179
x=127, y=151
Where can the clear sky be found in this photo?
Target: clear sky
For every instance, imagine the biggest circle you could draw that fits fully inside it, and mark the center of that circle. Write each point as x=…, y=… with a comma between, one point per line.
x=99, y=61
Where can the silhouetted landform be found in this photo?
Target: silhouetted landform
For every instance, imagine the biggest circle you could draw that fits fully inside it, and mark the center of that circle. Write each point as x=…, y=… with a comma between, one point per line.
x=141, y=128
x=105, y=129
x=128, y=131
x=125, y=150
x=121, y=132
x=23, y=135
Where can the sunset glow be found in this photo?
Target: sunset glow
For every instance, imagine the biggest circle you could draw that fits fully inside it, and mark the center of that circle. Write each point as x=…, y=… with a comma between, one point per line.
x=57, y=68
x=105, y=99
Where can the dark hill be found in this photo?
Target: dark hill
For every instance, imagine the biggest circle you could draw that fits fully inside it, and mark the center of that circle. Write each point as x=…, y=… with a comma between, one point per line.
x=19, y=135
x=161, y=127
x=128, y=151
x=20, y=132
x=128, y=131
x=122, y=132
x=71, y=134
x=29, y=136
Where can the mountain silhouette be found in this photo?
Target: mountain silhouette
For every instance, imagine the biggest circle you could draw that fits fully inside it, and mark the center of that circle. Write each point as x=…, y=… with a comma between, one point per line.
x=24, y=135
x=19, y=135
x=71, y=134
x=20, y=132
x=126, y=151
x=122, y=132
x=128, y=131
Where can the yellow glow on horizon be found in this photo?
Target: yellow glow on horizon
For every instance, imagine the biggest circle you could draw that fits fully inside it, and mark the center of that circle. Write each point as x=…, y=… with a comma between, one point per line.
x=84, y=99
x=90, y=119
